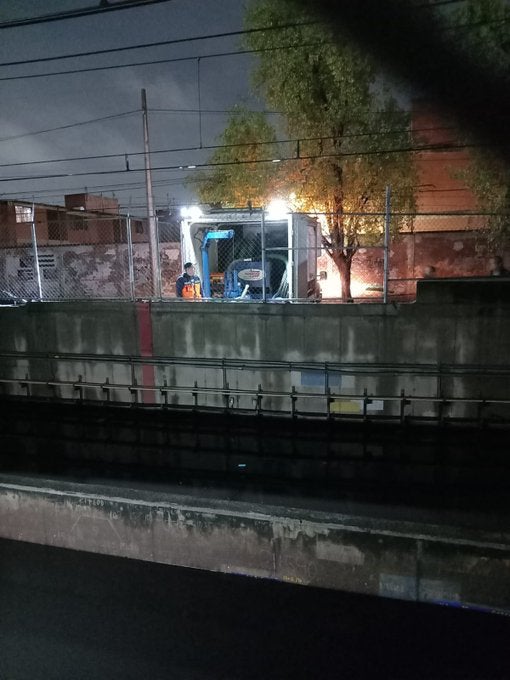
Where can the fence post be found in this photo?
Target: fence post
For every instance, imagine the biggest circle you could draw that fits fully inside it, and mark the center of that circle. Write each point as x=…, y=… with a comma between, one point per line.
x=263, y=248
x=36, y=255
x=387, y=218
x=130, y=257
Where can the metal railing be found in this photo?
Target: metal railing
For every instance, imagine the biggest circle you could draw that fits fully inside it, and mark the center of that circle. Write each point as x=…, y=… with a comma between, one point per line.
x=402, y=405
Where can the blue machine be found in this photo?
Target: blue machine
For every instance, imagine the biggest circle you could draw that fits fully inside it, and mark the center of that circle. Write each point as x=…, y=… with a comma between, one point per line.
x=240, y=276
x=242, y=273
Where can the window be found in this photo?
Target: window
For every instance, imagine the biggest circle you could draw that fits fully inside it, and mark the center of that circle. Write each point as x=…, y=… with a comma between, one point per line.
x=138, y=224
x=23, y=213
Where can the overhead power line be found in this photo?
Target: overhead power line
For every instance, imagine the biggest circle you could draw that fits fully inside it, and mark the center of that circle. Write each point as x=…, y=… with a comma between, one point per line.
x=103, y=8
x=214, y=111
x=160, y=43
x=130, y=4
x=211, y=55
x=281, y=159
x=213, y=147
x=117, y=188
x=70, y=125
x=126, y=186
x=173, y=60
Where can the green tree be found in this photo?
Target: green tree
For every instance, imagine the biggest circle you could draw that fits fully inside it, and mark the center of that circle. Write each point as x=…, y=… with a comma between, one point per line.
x=354, y=136
x=241, y=168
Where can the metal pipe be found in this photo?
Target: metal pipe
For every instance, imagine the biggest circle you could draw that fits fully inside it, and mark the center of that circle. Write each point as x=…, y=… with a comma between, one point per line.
x=431, y=370
x=206, y=274
x=290, y=261
x=387, y=219
x=263, y=249
x=130, y=257
x=36, y=255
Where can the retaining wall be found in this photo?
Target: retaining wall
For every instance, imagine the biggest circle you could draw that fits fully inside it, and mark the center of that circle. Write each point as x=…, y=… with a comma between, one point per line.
x=454, y=342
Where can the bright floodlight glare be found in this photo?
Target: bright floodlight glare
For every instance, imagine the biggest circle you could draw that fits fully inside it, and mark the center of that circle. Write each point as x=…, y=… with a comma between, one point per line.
x=277, y=209
x=195, y=212
x=192, y=212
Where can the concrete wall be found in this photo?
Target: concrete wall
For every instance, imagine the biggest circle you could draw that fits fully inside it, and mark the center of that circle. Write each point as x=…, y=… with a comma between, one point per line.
x=430, y=333
x=460, y=252
x=464, y=325
x=405, y=560
x=75, y=328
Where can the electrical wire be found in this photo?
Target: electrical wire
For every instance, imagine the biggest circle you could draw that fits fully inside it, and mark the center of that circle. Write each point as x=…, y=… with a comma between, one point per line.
x=173, y=60
x=171, y=181
x=116, y=188
x=70, y=125
x=78, y=13
x=160, y=43
x=214, y=36
x=194, y=166
x=215, y=147
x=217, y=111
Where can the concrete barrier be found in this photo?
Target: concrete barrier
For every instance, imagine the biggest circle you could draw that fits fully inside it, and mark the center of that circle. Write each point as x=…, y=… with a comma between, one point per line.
x=452, y=343
x=400, y=559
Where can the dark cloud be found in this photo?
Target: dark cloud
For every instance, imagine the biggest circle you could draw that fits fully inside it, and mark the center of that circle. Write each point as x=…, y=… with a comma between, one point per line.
x=35, y=104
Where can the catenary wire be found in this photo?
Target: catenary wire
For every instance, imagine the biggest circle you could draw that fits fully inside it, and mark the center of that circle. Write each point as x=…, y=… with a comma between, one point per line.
x=176, y=41
x=160, y=43
x=213, y=147
x=172, y=60
x=214, y=36
x=237, y=162
x=69, y=125
x=154, y=62
x=130, y=4
x=78, y=13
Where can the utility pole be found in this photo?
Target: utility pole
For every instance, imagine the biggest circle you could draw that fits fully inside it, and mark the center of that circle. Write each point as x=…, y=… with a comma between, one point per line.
x=151, y=215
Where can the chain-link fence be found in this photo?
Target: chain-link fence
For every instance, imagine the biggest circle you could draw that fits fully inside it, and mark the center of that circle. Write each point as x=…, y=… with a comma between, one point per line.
x=66, y=256
x=441, y=246
x=59, y=254
x=253, y=256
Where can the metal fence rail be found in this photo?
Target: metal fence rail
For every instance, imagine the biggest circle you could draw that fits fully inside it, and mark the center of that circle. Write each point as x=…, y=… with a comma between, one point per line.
x=233, y=387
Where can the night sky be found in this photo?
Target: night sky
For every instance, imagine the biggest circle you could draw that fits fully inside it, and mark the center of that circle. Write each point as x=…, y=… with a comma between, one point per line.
x=35, y=104
x=416, y=54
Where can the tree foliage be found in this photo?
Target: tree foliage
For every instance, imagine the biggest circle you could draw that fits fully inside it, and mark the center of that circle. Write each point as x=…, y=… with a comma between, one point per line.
x=239, y=171
x=485, y=30
x=353, y=137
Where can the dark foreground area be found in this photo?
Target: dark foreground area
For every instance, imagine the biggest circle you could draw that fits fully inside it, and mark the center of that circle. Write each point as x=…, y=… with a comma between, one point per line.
x=74, y=615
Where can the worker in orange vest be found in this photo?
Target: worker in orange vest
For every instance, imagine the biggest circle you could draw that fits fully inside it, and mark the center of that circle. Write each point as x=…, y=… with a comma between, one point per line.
x=188, y=285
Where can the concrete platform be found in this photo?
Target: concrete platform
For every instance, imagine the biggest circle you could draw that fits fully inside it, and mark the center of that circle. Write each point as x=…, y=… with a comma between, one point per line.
x=362, y=553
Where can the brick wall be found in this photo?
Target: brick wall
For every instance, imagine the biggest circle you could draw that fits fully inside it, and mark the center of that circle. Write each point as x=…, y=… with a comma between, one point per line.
x=452, y=254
